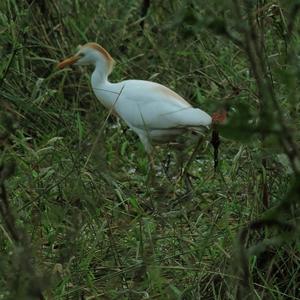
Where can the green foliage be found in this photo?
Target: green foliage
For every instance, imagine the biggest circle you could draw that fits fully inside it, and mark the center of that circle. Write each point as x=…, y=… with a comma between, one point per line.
x=79, y=218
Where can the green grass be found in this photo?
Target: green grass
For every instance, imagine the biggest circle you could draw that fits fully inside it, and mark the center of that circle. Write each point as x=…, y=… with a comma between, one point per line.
x=87, y=223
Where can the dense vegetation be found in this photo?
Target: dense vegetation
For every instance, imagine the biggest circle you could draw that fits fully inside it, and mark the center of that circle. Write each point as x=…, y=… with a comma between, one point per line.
x=78, y=217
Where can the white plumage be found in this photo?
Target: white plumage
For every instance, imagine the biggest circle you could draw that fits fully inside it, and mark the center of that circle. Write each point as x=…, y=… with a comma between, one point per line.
x=154, y=112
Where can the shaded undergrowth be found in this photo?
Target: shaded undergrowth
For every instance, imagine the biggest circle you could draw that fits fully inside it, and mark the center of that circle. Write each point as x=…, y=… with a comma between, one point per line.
x=79, y=220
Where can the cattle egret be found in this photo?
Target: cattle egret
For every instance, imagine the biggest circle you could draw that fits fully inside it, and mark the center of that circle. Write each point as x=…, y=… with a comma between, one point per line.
x=154, y=112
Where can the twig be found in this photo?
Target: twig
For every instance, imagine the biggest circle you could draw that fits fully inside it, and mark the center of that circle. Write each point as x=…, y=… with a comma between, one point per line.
x=102, y=127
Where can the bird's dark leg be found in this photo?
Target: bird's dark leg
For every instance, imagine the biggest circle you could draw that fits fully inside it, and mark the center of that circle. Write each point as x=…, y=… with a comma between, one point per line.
x=217, y=118
x=166, y=166
x=215, y=141
x=179, y=161
x=151, y=163
x=149, y=149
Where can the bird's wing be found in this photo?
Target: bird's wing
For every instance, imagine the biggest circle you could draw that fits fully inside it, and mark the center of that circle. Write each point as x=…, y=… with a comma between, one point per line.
x=149, y=105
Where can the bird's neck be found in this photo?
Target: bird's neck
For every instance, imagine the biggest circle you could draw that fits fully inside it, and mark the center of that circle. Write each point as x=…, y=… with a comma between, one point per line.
x=105, y=91
x=100, y=74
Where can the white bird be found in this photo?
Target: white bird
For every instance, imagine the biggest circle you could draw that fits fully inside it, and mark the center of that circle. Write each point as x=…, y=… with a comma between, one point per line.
x=154, y=112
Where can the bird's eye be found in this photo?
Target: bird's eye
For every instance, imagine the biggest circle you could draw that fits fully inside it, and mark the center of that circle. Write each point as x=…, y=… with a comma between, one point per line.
x=81, y=55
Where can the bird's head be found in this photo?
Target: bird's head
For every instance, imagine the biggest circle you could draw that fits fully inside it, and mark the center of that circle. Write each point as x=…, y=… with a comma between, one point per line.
x=89, y=54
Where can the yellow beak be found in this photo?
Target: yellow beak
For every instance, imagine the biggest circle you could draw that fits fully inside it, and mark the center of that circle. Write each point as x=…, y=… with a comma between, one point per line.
x=68, y=61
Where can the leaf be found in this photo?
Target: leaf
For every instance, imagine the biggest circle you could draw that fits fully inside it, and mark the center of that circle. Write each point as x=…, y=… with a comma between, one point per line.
x=133, y=201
